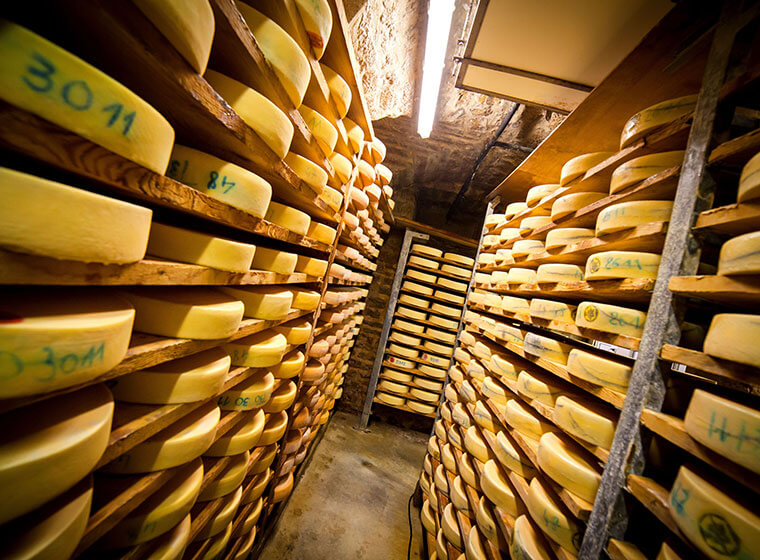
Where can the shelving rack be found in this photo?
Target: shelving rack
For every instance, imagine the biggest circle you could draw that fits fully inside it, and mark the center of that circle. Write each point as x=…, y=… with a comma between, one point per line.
x=632, y=513
x=417, y=355
x=132, y=51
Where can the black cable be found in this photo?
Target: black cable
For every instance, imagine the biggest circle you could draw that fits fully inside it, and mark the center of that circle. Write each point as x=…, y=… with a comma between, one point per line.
x=409, y=517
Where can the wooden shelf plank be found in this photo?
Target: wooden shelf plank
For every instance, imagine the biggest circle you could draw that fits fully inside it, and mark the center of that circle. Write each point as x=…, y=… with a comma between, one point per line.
x=147, y=350
x=655, y=498
x=437, y=259
x=723, y=372
x=430, y=311
x=431, y=298
x=437, y=286
x=736, y=152
x=29, y=270
x=621, y=550
x=741, y=291
x=438, y=272
x=637, y=290
x=733, y=219
x=672, y=429
x=22, y=132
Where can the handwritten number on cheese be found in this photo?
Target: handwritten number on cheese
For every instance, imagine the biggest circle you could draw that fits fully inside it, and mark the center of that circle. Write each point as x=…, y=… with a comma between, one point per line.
x=41, y=80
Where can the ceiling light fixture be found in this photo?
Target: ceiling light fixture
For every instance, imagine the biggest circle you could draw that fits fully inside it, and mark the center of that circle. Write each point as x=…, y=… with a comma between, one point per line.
x=438, y=27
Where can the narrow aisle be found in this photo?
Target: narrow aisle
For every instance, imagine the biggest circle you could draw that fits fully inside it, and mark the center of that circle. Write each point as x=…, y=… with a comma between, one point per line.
x=352, y=502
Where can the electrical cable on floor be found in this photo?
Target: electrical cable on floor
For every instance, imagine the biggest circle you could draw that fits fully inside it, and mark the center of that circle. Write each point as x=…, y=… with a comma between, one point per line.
x=409, y=517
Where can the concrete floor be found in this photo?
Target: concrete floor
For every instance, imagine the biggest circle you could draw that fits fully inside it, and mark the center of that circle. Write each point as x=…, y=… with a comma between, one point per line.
x=352, y=501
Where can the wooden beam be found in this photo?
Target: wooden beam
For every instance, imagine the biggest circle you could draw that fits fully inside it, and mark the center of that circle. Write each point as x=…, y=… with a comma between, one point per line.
x=407, y=223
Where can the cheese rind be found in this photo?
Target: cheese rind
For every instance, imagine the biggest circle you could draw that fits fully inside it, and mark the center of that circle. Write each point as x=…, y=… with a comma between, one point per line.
x=749, y=182
x=258, y=350
x=725, y=426
x=281, y=51
x=733, y=336
x=54, y=339
x=610, y=318
x=221, y=180
x=578, y=165
x=317, y=20
x=525, y=421
x=230, y=478
x=50, y=446
x=552, y=310
x=515, y=208
x=534, y=222
x=558, y=459
x=535, y=194
x=274, y=260
x=571, y=203
x=547, y=348
x=592, y=426
x=44, y=79
x=305, y=299
x=521, y=276
x=341, y=95
x=526, y=543
x=311, y=266
x=713, y=521
x=626, y=215
x=567, y=236
x=450, y=526
x=537, y=389
x=653, y=117
x=641, y=168
x=598, y=370
x=513, y=457
x=185, y=312
x=558, y=526
x=459, y=259
x=311, y=174
x=526, y=247
x=290, y=218
x=270, y=303
x=553, y=272
x=88, y=227
x=622, y=264
x=740, y=255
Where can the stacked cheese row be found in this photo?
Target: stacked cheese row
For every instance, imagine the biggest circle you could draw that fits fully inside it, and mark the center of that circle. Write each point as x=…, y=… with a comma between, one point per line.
x=423, y=332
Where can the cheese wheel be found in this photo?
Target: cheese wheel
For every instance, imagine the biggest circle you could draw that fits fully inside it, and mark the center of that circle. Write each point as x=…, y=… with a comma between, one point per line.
x=217, y=545
x=455, y=438
x=749, y=182
x=515, y=208
x=420, y=407
x=88, y=227
x=458, y=496
x=310, y=173
x=428, y=384
x=486, y=522
x=275, y=428
x=419, y=302
x=725, y=426
x=525, y=421
x=417, y=288
x=304, y=299
x=405, y=339
x=444, y=349
x=456, y=271
x=486, y=258
x=171, y=545
x=317, y=20
x=50, y=446
x=423, y=395
x=264, y=117
x=534, y=222
x=552, y=310
x=494, y=392
x=521, y=276
x=508, y=333
x=52, y=531
x=450, y=526
x=622, y=264
x=191, y=379
x=246, y=433
x=281, y=51
x=593, y=425
x=740, y=255
x=426, y=515
x=513, y=457
x=484, y=418
x=394, y=375
x=423, y=276
x=366, y=174
x=462, y=355
x=714, y=522
x=610, y=318
x=248, y=537
x=260, y=469
x=434, y=372
x=535, y=194
x=423, y=262
x=497, y=489
x=493, y=220
x=57, y=86
x=185, y=312
x=396, y=388
x=258, y=350
x=441, y=546
x=547, y=348
x=270, y=303
x=160, y=512
x=733, y=336
x=342, y=166
x=559, y=273
x=526, y=247
x=460, y=416
x=567, y=236
x=332, y=197
x=281, y=398
x=439, y=361
x=467, y=472
x=228, y=481
x=311, y=266
x=54, y=339
x=385, y=175
x=390, y=399
x=578, y=165
x=452, y=284
x=321, y=128
x=448, y=296
x=402, y=311
x=638, y=169
x=656, y=116
x=353, y=130
x=551, y=518
x=559, y=459
x=407, y=326
x=273, y=260
x=598, y=370
x=459, y=259
x=340, y=92
x=179, y=443
x=296, y=332
x=627, y=215
x=667, y=553
x=378, y=150
x=538, y=389
x=571, y=203
x=290, y=218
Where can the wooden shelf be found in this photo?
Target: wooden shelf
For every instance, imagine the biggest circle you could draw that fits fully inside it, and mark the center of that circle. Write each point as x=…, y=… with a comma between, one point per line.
x=655, y=498
x=736, y=152
x=733, y=219
x=412, y=371
x=424, y=322
x=672, y=429
x=647, y=238
x=723, y=372
x=739, y=291
x=570, y=329
x=628, y=290
x=343, y=282
x=32, y=136
x=412, y=397
x=438, y=272
x=429, y=311
x=437, y=259
x=147, y=350
x=17, y=268
x=438, y=286
x=621, y=550
x=418, y=335
x=406, y=408
x=416, y=360
x=422, y=348
x=432, y=298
